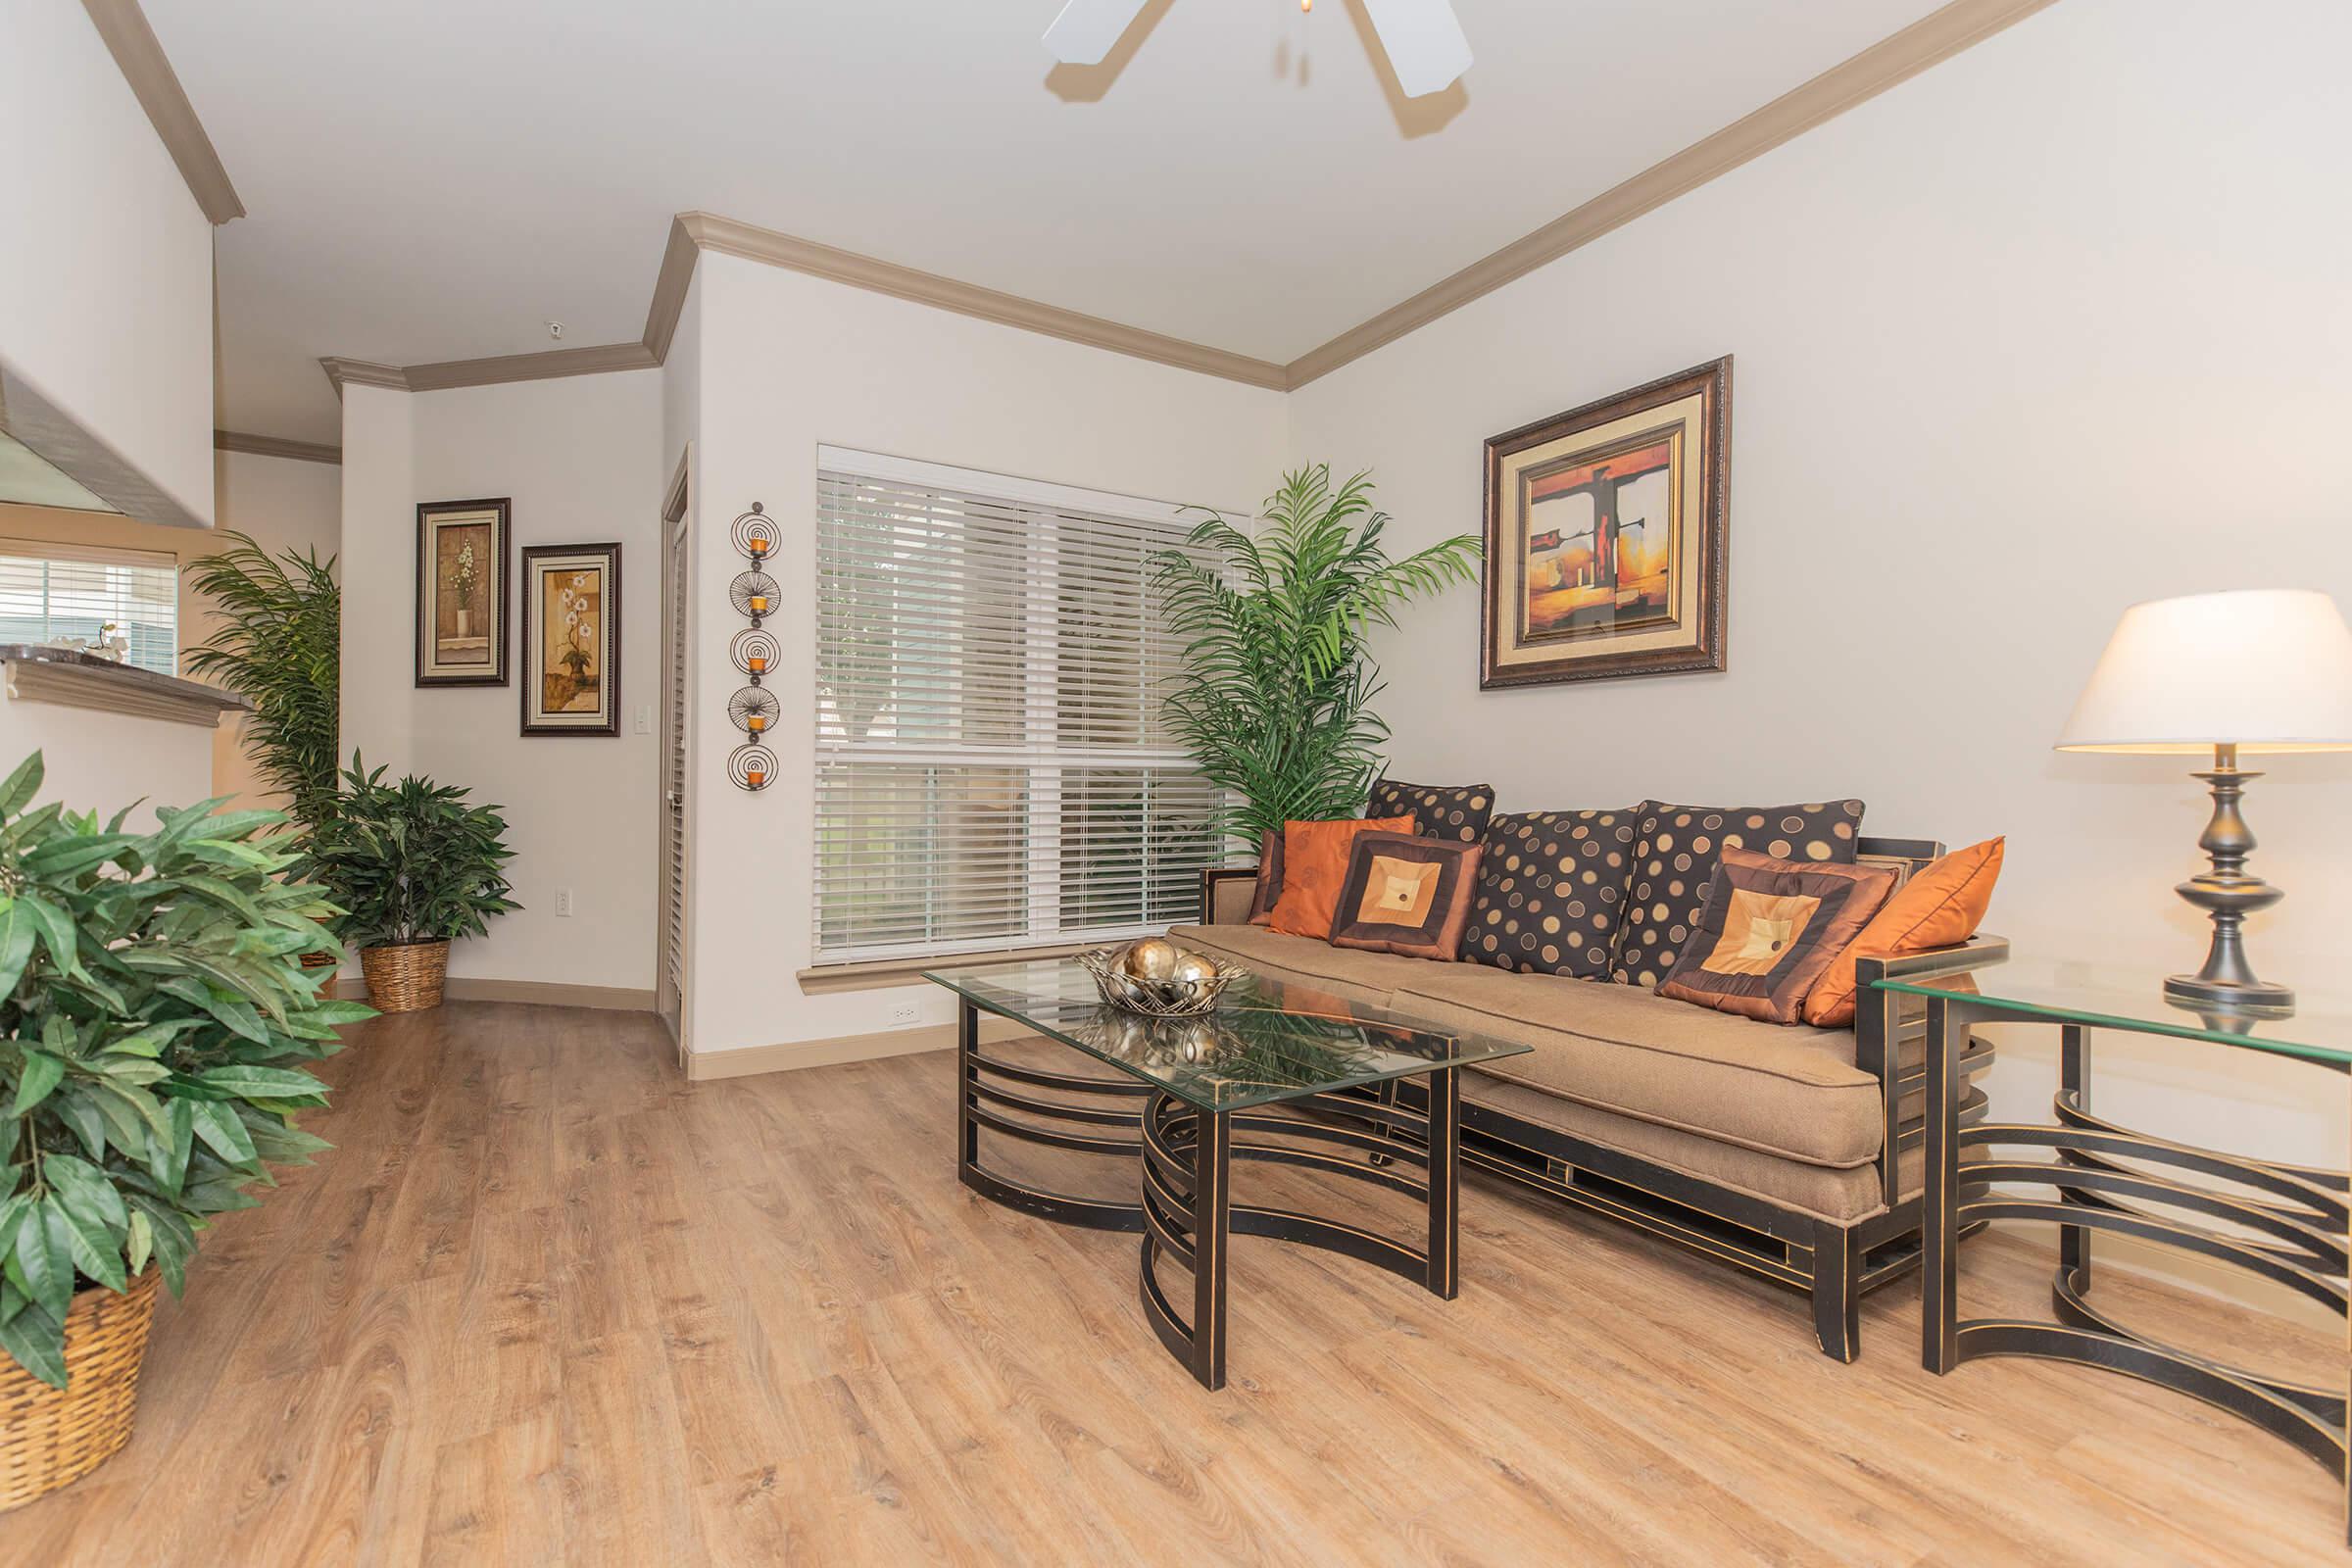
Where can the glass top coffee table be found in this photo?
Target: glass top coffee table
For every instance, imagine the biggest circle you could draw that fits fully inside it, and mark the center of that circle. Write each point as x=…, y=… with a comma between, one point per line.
x=1278, y=1072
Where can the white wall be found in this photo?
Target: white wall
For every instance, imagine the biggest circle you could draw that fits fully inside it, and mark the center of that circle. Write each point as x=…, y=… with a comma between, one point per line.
x=791, y=362
x=2058, y=325
x=106, y=272
x=580, y=459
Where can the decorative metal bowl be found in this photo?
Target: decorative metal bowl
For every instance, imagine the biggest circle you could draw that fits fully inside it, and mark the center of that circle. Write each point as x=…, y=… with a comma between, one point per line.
x=1157, y=999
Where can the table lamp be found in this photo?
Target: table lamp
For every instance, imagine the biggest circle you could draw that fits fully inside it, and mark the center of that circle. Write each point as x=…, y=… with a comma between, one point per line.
x=2255, y=671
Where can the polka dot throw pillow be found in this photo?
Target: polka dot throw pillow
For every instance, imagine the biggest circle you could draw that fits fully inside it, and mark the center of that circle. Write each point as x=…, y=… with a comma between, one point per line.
x=1551, y=890
x=1456, y=811
x=1675, y=855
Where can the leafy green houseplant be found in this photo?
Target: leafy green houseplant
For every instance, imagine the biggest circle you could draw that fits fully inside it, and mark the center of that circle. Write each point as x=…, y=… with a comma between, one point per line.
x=150, y=1001
x=279, y=646
x=1276, y=700
x=414, y=866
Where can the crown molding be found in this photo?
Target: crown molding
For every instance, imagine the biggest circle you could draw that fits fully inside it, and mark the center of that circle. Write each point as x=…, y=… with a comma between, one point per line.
x=669, y=288
x=1894, y=59
x=730, y=237
x=270, y=446
x=342, y=373
x=545, y=366
x=141, y=57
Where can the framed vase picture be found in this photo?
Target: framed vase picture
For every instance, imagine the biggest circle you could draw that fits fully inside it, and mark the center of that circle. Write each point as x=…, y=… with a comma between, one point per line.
x=1607, y=536
x=462, y=593
x=572, y=640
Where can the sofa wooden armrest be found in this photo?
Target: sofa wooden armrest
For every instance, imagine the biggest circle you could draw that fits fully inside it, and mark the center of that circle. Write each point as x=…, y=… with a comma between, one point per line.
x=1225, y=893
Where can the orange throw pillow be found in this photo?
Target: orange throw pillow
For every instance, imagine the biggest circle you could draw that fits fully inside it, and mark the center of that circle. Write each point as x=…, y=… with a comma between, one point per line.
x=1941, y=905
x=1314, y=862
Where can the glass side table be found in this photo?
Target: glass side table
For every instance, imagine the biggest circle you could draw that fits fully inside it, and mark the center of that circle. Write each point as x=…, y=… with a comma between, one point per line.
x=2285, y=1223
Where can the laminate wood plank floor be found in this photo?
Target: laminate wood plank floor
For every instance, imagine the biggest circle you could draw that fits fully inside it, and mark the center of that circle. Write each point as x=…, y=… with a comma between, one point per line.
x=548, y=1302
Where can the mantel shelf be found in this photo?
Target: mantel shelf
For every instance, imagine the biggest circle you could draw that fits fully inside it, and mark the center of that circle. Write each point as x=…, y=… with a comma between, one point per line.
x=74, y=680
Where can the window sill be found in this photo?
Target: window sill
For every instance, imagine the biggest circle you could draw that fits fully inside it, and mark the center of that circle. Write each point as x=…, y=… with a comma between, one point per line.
x=881, y=974
x=84, y=680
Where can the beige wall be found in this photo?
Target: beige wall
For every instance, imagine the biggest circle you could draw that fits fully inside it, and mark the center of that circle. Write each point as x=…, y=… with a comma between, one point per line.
x=106, y=273
x=790, y=363
x=581, y=459
x=284, y=504
x=2058, y=325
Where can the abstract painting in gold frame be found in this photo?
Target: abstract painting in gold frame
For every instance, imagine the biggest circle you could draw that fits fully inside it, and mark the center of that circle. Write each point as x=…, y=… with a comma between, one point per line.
x=1607, y=536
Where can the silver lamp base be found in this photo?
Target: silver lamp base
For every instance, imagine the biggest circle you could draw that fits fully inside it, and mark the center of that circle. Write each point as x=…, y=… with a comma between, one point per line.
x=2228, y=894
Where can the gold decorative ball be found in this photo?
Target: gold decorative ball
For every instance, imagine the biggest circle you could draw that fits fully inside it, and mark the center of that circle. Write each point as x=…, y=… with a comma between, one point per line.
x=1152, y=959
x=1194, y=969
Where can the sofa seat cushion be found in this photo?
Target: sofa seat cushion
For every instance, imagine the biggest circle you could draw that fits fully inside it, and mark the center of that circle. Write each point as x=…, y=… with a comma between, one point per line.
x=1353, y=973
x=1790, y=1092
x=1842, y=1197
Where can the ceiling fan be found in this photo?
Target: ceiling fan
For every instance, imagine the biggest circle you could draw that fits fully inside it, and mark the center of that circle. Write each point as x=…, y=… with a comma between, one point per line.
x=1423, y=37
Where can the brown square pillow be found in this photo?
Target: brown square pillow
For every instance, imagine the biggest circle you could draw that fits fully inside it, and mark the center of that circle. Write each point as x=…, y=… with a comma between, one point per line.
x=1551, y=892
x=1769, y=929
x=1406, y=894
x=1456, y=811
x=1674, y=867
x=1269, y=878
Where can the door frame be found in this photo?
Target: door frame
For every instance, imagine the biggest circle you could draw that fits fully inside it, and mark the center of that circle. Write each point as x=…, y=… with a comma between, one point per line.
x=677, y=642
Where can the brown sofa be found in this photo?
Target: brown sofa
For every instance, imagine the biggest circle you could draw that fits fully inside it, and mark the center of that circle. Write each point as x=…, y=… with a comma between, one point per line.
x=1790, y=1151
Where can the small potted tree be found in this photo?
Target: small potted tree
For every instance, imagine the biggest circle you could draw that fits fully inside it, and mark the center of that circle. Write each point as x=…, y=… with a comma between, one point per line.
x=414, y=866
x=150, y=999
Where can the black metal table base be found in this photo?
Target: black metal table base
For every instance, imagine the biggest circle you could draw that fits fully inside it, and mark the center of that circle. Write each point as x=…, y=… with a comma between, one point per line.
x=1184, y=1210
x=2285, y=1224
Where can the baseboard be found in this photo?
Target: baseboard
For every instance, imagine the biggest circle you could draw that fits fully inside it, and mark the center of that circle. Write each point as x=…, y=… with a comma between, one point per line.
x=790, y=1055
x=536, y=993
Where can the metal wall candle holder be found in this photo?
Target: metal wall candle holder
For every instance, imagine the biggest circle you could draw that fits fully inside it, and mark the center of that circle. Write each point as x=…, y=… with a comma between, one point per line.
x=755, y=595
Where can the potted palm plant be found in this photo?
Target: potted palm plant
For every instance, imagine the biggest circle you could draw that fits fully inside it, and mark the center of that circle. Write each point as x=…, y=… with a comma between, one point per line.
x=414, y=866
x=150, y=1001
x=279, y=646
x=1275, y=702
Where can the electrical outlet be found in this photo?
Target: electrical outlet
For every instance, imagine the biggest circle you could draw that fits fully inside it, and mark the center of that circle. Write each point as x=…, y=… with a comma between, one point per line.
x=906, y=1012
x=645, y=721
x=563, y=904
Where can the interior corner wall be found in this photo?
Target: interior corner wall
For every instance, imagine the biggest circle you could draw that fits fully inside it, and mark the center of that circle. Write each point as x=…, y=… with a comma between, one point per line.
x=580, y=460
x=106, y=274
x=790, y=363
x=2058, y=325
x=281, y=503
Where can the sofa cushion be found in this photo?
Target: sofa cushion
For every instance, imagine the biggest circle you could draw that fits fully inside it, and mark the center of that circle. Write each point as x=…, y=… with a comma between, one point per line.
x=1348, y=972
x=1456, y=811
x=1314, y=862
x=1769, y=930
x=1675, y=854
x=1941, y=907
x=1842, y=1196
x=1406, y=894
x=1552, y=891
x=1791, y=1091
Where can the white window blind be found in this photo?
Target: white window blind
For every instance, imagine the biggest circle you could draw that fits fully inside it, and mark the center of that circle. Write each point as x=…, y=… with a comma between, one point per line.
x=992, y=768
x=49, y=592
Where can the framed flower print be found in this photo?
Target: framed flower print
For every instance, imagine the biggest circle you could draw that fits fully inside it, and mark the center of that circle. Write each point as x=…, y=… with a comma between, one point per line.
x=1605, y=536
x=462, y=593
x=572, y=640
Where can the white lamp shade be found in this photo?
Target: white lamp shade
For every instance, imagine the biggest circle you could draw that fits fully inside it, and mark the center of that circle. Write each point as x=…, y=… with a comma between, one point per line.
x=2264, y=670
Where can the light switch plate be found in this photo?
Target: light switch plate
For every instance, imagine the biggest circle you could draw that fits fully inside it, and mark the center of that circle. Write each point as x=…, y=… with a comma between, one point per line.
x=645, y=718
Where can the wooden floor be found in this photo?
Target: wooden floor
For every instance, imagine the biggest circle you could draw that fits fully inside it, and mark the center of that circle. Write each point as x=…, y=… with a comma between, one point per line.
x=547, y=1303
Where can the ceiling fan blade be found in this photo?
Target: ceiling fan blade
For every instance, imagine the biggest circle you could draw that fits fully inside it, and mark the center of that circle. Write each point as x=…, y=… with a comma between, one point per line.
x=1087, y=29
x=1424, y=40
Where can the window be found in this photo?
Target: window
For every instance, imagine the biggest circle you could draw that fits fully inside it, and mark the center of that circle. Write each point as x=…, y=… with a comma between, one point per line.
x=992, y=769
x=51, y=592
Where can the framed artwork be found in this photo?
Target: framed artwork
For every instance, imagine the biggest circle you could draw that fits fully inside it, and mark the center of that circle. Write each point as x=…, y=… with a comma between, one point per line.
x=462, y=593
x=1605, y=536
x=572, y=640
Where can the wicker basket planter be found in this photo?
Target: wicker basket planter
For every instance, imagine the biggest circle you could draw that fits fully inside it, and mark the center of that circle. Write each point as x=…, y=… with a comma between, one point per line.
x=52, y=1437
x=406, y=977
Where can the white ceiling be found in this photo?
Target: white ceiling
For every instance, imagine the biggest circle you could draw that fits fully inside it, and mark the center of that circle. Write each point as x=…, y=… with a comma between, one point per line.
x=433, y=179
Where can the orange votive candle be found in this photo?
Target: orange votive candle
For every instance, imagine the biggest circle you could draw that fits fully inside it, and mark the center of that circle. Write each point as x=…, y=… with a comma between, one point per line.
x=759, y=604
x=758, y=662
x=759, y=722
x=757, y=776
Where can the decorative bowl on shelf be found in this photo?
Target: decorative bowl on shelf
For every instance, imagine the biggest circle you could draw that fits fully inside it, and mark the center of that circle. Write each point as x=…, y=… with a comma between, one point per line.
x=1157, y=979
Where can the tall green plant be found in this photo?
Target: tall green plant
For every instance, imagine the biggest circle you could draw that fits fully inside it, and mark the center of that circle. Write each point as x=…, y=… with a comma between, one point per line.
x=411, y=862
x=1276, y=701
x=279, y=648
x=149, y=985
